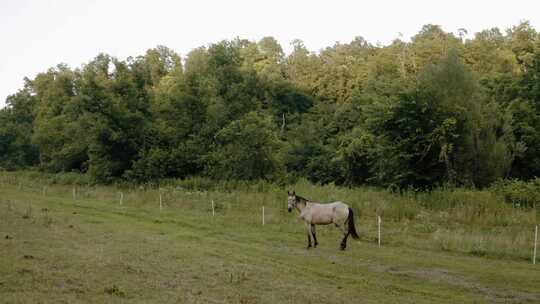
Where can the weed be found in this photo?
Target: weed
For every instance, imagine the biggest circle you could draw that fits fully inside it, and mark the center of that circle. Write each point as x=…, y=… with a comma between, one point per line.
x=115, y=291
x=27, y=213
x=47, y=220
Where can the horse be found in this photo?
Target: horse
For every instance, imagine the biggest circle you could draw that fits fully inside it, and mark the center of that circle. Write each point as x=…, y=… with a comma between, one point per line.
x=313, y=213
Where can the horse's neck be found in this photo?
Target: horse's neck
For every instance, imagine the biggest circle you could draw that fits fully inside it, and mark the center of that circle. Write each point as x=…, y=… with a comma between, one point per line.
x=301, y=205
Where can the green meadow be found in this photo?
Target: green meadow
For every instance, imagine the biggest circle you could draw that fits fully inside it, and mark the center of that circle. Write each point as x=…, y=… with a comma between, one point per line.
x=63, y=240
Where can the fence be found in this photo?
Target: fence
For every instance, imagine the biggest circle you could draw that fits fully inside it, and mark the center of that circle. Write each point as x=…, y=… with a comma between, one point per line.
x=265, y=209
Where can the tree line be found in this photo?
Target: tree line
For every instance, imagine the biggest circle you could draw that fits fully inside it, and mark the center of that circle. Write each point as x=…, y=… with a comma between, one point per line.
x=440, y=109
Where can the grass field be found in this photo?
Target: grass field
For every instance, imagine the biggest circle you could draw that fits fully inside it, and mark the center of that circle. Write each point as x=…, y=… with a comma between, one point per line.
x=56, y=248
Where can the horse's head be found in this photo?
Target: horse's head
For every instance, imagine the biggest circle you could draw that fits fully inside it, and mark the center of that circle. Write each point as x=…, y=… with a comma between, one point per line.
x=291, y=200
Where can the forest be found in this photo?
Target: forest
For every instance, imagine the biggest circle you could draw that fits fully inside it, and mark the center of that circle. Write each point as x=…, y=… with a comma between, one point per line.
x=440, y=109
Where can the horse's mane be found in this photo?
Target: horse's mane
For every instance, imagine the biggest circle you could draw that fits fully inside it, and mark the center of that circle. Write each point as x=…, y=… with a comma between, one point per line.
x=302, y=199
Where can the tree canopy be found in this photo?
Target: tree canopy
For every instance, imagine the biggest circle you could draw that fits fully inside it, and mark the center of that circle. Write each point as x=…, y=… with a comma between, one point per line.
x=438, y=109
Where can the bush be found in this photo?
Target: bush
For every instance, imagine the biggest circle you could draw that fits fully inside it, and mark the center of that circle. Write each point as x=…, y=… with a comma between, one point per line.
x=62, y=178
x=519, y=193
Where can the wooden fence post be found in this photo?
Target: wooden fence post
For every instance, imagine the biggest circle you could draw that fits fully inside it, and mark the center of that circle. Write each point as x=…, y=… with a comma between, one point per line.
x=379, y=234
x=535, y=242
x=160, y=201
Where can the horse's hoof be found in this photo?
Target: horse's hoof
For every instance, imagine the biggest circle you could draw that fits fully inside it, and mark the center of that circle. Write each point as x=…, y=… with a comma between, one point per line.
x=308, y=247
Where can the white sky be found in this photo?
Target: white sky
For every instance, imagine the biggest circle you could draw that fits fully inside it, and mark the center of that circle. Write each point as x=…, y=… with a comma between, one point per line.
x=37, y=35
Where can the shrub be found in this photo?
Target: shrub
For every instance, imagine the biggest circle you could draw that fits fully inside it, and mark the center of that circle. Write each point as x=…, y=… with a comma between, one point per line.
x=519, y=193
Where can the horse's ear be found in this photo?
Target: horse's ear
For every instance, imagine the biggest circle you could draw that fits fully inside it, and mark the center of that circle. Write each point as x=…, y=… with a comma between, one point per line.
x=293, y=193
x=288, y=192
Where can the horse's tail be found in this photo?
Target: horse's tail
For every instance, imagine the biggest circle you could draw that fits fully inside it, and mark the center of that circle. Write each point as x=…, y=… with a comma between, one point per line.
x=352, y=229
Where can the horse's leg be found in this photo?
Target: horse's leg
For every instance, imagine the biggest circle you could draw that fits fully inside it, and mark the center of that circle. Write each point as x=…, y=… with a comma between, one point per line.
x=308, y=235
x=314, y=235
x=344, y=241
x=343, y=227
x=342, y=223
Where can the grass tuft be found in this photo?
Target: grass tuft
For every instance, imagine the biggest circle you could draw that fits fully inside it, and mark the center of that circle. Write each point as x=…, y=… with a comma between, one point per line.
x=115, y=291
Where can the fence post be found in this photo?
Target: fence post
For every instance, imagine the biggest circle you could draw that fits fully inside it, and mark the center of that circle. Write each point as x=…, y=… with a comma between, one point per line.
x=121, y=197
x=535, y=242
x=160, y=200
x=263, y=215
x=74, y=194
x=213, y=209
x=379, y=234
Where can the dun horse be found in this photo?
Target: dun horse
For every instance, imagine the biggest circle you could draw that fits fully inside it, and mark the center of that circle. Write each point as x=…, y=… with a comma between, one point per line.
x=312, y=213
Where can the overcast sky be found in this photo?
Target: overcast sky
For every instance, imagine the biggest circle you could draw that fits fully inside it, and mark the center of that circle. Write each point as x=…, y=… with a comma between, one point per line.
x=37, y=35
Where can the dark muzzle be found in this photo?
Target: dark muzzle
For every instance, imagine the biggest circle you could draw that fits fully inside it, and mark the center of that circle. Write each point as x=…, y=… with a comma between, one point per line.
x=290, y=209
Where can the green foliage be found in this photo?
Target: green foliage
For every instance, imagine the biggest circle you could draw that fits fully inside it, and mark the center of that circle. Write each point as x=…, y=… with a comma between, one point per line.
x=438, y=110
x=246, y=149
x=519, y=193
x=16, y=148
